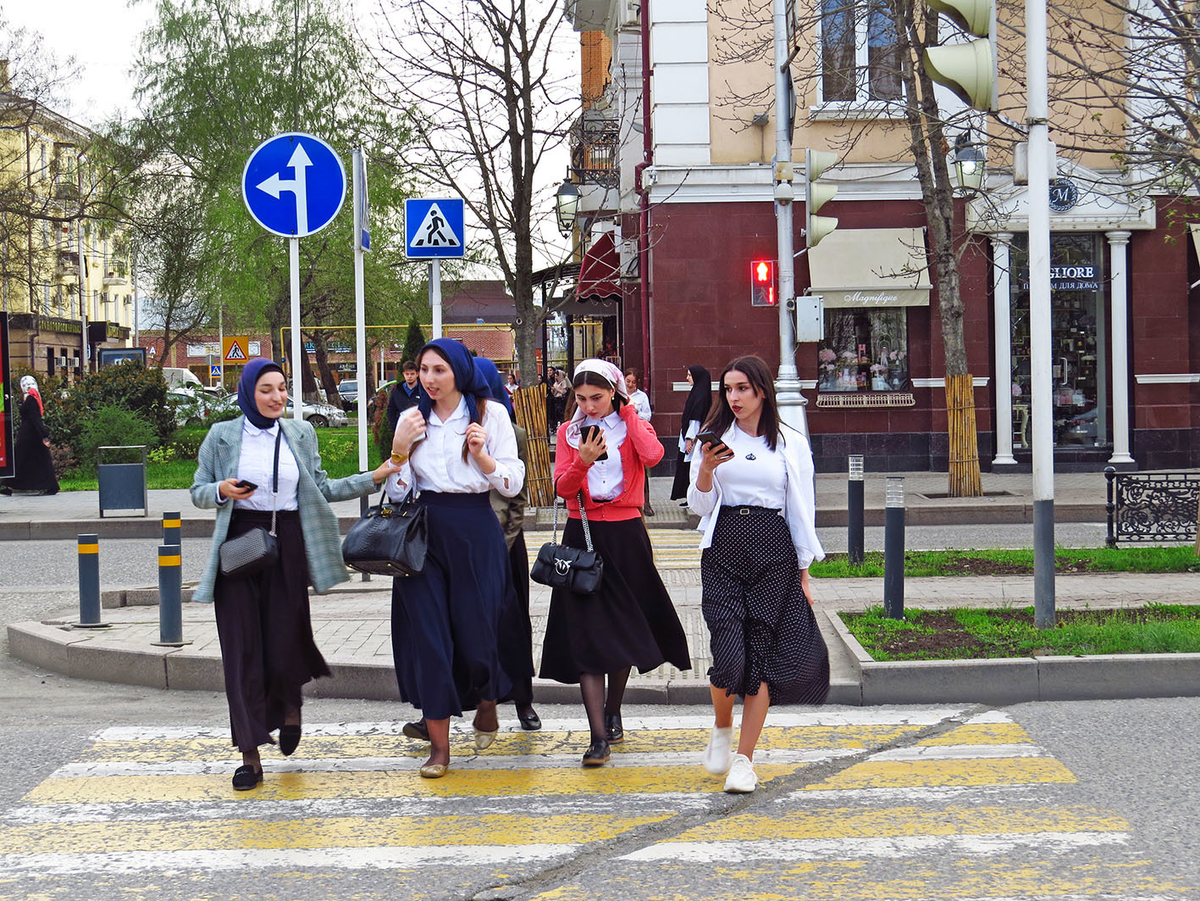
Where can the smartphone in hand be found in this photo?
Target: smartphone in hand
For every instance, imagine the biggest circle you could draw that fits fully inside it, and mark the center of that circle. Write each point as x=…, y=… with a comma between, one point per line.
x=710, y=438
x=586, y=435
x=243, y=483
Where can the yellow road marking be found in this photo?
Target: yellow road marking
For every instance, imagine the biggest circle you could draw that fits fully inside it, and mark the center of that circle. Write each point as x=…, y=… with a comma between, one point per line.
x=507, y=743
x=314, y=832
x=368, y=785
x=982, y=734
x=877, y=822
x=930, y=773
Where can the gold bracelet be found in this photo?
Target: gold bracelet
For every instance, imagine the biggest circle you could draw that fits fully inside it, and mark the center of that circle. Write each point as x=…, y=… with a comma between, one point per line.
x=399, y=459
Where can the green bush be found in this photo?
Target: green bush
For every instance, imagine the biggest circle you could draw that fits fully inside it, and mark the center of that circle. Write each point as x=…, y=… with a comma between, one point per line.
x=129, y=385
x=112, y=426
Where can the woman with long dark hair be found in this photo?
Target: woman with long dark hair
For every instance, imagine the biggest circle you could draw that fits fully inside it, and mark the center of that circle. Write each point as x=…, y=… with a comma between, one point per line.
x=454, y=448
x=695, y=412
x=600, y=461
x=259, y=469
x=753, y=489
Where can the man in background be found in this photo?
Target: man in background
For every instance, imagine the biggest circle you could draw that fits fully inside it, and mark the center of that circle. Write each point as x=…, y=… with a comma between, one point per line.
x=641, y=402
x=405, y=393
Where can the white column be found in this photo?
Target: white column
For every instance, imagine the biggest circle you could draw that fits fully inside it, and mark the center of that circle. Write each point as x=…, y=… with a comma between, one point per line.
x=1118, y=242
x=1002, y=304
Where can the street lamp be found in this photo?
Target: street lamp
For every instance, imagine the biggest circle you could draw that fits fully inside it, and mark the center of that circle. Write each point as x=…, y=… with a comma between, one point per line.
x=968, y=163
x=566, y=207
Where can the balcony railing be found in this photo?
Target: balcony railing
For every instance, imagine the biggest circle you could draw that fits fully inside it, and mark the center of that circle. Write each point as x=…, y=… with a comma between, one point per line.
x=595, y=153
x=67, y=265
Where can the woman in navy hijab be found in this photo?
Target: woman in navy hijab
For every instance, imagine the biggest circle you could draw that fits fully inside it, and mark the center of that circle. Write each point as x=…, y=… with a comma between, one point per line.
x=454, y=448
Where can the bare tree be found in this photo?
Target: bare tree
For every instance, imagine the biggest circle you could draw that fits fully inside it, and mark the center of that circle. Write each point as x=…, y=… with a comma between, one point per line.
x=480, y=85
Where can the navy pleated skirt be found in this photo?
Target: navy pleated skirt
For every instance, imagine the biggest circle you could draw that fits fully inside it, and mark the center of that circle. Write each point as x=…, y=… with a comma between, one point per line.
x=446, y=621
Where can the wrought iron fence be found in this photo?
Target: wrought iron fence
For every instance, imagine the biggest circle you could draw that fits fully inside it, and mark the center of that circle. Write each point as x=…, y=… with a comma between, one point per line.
x=1151, y=506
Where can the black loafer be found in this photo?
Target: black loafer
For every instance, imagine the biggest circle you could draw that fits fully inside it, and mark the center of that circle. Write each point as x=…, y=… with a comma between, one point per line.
x=246, y=777
x=597, y=754
x=289, y=738
x=613, y=729
x=529, y=719
x=416, y=730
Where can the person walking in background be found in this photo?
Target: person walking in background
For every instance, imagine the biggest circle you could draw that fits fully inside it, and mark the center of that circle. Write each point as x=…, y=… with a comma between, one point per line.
x=601, y=457
x=641, y=402
x=263, y=620
x=695, y=411
x=560, y=390
x=33, y=467
x=753, y=490
x=404, y=395
x=453, y=449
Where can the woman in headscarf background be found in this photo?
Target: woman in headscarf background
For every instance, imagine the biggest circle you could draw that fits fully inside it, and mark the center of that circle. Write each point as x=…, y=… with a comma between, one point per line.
x=263, y=620
x=630, y=621
x=33, y=469
x=695, y=412
x=453, y=449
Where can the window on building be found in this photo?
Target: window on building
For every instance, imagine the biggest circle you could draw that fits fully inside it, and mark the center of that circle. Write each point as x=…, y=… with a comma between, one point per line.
x=864, y=350
x=860, y=59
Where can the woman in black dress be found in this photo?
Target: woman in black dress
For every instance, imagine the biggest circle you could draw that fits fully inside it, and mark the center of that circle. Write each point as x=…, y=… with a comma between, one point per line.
x=695, y=411
x=32, y=466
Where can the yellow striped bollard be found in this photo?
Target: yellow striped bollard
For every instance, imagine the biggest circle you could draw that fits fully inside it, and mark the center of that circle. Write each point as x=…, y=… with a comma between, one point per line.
x=89, y=582
x=170, y=602
x=172, y=531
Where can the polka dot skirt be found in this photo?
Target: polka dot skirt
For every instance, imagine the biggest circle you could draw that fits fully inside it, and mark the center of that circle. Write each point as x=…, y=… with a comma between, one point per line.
x=762, y=627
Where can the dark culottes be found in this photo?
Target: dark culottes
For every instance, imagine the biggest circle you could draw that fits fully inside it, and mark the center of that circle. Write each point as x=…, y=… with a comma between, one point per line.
x=629, y=622
x=761, y=625
x=446, y=621
x=516, y=631
x=683, y=478
x=265, y=627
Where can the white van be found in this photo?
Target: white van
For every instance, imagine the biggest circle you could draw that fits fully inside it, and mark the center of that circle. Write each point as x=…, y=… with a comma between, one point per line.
x=181, y=378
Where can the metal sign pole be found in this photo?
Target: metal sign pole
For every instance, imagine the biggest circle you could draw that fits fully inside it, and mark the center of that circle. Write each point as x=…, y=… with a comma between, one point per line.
x=297, y=380
x=360, y=307
x=435, y=296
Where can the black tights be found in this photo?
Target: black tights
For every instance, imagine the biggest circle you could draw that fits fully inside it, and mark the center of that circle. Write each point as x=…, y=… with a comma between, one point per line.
x=591, y=686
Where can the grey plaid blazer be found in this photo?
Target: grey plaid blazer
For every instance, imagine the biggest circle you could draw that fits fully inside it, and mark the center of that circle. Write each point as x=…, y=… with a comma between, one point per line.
x=218, y=460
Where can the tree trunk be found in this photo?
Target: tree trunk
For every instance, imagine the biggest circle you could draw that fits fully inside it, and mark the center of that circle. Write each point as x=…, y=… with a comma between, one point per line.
x=328, y=379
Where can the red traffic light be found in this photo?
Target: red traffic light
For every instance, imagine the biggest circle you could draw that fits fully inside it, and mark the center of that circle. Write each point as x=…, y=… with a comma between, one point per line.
x=762, y=283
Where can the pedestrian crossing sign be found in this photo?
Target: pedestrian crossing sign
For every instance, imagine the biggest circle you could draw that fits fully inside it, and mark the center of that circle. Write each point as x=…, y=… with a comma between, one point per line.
x=233, y=350
x=214, y=372
x=433, y=228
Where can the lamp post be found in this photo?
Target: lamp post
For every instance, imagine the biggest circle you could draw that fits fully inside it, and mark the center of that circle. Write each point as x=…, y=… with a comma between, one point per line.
x=566, y=207
x=968, y=163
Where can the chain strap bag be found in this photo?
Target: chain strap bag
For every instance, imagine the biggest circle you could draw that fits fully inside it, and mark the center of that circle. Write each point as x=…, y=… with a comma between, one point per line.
x=560, y=566
x=390, y=540
x=256, y=550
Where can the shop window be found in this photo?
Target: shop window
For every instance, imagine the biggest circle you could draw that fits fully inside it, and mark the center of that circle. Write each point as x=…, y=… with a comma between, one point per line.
x=860, y=59
x=864, y=350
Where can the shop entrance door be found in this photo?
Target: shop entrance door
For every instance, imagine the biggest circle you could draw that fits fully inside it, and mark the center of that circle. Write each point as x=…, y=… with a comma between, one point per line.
x=1079, y=341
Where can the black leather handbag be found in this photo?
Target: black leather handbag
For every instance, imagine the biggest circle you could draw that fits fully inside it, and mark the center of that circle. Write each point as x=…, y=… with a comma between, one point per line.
x=560, y=566
x=256, y=550
x=391, y=539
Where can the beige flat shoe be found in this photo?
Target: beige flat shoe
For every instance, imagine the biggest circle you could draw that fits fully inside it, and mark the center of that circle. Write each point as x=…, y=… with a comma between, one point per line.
x=483, y=739
x=434, y=770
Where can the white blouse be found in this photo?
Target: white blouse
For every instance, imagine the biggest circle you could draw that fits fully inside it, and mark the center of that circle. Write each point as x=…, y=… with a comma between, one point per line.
x=606, y=478
x=436, y=464
x=756, y=476
x=257, y=465
x=691, y=431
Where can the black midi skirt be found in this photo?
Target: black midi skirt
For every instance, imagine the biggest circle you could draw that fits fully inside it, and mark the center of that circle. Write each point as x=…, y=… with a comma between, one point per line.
x=446, y=621
x=683, y=478
x=761, y=625
x=629, y=622
x=265, y=628
x=516, y=630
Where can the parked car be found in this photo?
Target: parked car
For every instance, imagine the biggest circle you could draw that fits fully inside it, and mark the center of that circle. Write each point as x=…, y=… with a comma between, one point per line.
x=348, y=391
x=319, y=415
x=178, y=377
x=193, y=406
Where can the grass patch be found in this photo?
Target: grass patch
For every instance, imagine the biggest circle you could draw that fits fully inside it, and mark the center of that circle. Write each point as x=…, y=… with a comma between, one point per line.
x=1015, y=562
x=964, y=634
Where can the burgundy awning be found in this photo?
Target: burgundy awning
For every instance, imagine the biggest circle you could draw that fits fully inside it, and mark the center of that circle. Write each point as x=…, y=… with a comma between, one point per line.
x=600, y=273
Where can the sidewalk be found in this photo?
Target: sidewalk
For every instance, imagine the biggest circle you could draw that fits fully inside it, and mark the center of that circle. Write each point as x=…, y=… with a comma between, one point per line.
x=1078, y=497
x=352, y=627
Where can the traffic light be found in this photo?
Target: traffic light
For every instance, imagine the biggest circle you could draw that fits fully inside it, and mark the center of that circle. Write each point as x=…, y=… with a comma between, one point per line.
x=969, y=70
x=817, y=195
x=762, y=283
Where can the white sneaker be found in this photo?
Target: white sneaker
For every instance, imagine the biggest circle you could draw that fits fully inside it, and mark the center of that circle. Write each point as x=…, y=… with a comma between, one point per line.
x=741, y=779
x=717, y=756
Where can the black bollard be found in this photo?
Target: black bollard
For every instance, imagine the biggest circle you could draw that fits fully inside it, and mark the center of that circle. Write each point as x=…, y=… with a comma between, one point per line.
x=855, y=549
x=89, y=582
x=1110, y=507
x=893, y=549
x=170, y=601
x=172, y=528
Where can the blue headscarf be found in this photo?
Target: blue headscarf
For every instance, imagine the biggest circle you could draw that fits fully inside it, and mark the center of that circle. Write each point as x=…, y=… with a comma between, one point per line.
x=495, y=383
x=467, y=379
x=251, y=373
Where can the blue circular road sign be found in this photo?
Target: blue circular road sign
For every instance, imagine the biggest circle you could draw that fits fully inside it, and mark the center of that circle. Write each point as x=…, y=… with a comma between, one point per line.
x=294, y=184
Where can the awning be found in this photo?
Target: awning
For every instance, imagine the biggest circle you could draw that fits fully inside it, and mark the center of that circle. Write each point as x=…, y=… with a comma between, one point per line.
x=600, y=273
x=871, y=267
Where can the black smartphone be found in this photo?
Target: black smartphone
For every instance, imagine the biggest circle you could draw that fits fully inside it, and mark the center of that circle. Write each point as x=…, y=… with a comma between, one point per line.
x=709, y=438
x=242, y=483
x=586, y=435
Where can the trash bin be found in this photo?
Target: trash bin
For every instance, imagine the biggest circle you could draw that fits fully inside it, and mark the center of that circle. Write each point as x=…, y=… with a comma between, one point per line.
x=122, y=483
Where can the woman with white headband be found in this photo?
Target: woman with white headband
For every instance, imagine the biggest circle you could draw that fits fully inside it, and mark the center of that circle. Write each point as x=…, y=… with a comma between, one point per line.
x=600, y=461
x=33, y=466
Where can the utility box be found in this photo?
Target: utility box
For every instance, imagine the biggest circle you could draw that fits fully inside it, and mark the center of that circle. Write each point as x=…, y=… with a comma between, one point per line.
x=122, y=483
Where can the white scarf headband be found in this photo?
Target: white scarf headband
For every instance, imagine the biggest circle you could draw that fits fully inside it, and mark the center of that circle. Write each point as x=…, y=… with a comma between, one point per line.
x=610, y=374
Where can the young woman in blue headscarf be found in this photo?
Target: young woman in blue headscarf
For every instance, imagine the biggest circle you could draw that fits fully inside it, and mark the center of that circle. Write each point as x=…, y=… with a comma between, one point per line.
x=263, y=620
x=454, y=448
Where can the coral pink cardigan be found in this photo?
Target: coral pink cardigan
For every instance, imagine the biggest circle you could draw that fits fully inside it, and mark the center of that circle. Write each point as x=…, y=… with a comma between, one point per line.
x=641, y=448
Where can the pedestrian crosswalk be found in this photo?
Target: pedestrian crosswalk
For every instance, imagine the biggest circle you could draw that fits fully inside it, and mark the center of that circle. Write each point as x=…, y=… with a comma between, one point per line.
x=872, y=803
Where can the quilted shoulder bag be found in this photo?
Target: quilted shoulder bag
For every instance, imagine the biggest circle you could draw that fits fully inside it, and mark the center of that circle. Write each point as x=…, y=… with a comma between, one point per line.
x=391, y=539
x=560, y=566
x=256, y=550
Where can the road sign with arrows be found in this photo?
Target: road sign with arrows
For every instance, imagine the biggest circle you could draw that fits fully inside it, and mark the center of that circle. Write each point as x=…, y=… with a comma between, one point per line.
x=294, y=184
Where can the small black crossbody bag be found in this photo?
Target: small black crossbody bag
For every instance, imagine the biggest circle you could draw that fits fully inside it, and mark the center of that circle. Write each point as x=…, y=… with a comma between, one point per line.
x=256, y=550
x=560, y=566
